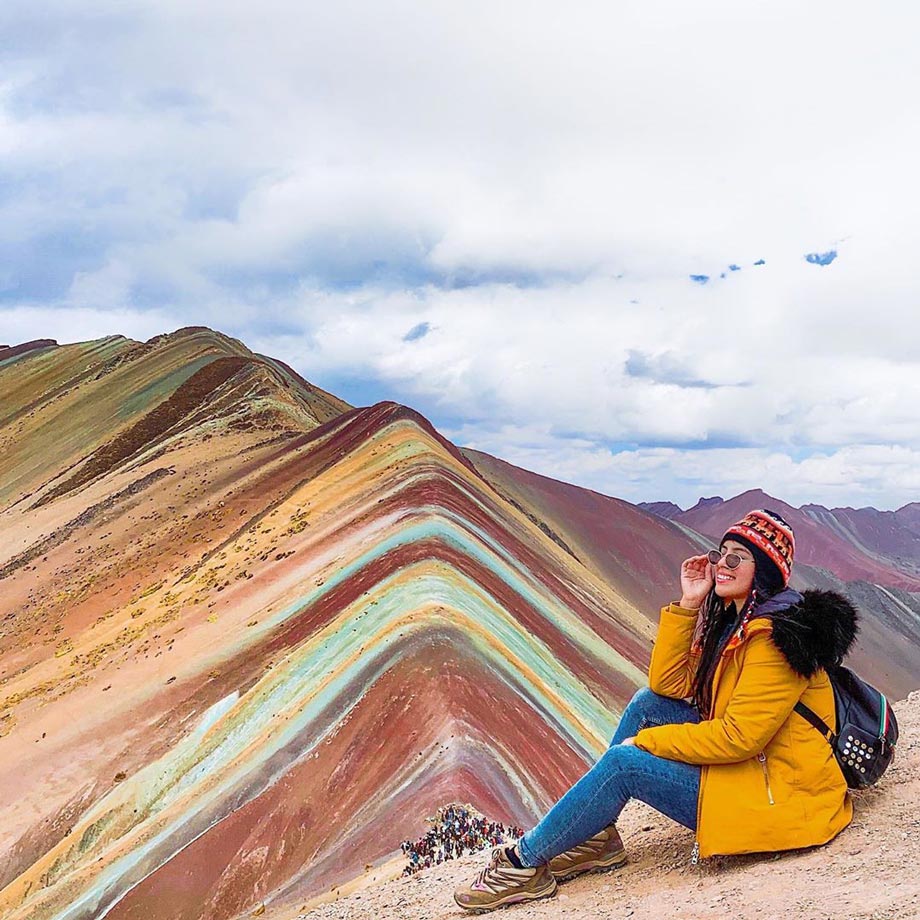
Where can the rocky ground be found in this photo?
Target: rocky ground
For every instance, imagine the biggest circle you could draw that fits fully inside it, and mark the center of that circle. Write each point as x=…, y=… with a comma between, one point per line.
x=869, y=872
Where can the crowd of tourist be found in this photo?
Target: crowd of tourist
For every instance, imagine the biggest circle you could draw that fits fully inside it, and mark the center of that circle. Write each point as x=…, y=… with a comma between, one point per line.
x=455, y=831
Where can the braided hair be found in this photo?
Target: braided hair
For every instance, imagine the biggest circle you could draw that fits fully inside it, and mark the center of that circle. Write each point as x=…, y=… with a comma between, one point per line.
x=717, y=615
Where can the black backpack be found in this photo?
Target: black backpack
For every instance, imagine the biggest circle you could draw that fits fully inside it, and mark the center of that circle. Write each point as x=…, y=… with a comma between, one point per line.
x=867, y=730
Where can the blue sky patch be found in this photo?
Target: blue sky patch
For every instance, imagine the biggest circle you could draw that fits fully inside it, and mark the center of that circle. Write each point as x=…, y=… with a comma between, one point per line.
x=43, y=267
x=417, y=332
x=821, y=258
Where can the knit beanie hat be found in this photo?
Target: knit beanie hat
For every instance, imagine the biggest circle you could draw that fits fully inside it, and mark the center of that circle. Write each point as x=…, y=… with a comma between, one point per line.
x=767, y=535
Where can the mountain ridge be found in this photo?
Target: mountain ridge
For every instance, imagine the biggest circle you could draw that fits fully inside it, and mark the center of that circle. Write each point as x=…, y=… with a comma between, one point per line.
x=264, y=631
x=436, y=559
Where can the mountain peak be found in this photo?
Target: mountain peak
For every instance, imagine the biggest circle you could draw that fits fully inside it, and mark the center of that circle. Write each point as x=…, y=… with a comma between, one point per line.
x=663, y=509
x=713, y=502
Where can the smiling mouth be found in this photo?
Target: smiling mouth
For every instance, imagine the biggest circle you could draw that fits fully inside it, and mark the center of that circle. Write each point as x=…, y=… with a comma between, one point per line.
x=722, y=579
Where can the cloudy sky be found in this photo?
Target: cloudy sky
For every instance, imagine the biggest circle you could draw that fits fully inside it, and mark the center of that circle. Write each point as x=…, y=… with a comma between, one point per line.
x=661, y=249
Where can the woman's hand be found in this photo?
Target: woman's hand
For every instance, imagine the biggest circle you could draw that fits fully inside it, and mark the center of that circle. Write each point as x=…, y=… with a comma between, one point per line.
x=696, y=581
x=629, y=741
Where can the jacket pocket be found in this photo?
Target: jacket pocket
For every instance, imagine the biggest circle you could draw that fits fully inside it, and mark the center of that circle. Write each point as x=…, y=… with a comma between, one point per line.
x=762, y=757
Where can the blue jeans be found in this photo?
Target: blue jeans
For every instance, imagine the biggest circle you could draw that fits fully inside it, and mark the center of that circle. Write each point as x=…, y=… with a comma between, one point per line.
x=623, y=773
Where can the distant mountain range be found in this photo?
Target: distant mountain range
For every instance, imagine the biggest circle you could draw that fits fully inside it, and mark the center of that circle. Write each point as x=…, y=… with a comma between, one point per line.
x=881, y=546
x=252, y=635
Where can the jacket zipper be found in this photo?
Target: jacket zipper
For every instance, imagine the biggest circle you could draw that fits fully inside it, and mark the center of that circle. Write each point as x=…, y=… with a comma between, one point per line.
x=762, y=757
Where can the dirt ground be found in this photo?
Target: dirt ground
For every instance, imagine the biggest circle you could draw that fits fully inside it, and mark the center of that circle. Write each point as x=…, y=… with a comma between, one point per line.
x=869, y=872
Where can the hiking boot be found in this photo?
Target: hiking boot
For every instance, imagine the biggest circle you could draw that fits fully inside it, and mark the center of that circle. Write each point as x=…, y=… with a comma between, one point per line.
x=501, y=883
x=602, y=851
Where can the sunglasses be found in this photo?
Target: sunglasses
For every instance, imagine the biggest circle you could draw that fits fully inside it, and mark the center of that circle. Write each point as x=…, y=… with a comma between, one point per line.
x=732, y=560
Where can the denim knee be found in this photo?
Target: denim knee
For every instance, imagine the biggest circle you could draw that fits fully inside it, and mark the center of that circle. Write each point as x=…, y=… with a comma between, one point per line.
x=642, y=710
x=630, y=767
x=620, y=757
x=643, y=696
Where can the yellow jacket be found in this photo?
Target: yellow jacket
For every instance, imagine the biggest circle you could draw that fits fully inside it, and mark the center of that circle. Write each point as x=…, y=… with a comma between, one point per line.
x=769, y=779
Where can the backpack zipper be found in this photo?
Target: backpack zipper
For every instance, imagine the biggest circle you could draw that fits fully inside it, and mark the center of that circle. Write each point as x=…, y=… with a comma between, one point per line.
x=762, y=757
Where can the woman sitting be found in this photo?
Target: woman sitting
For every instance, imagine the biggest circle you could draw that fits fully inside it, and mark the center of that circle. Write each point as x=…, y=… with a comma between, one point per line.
x=713, y=743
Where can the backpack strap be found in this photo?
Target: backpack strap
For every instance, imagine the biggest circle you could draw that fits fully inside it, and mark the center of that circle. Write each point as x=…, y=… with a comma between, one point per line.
x=815, y=720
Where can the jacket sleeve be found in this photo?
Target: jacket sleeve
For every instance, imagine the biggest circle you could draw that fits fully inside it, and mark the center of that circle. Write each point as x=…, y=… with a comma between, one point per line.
x=671, y=670
x=762, y=700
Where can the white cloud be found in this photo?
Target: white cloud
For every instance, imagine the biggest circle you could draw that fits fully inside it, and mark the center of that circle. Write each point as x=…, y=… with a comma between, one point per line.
x=561, y=353
x=80, y=324
x=867, y=475
x=535, y=183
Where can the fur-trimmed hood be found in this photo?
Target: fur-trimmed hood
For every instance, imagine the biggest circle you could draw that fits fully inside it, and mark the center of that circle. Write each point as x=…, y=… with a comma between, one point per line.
x=813, y=630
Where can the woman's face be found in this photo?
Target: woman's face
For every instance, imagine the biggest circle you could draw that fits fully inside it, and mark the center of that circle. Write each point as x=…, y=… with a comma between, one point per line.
x=734, y=584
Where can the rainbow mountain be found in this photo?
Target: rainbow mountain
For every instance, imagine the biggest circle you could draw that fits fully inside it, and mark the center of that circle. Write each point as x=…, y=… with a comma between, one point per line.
x=252, y=635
